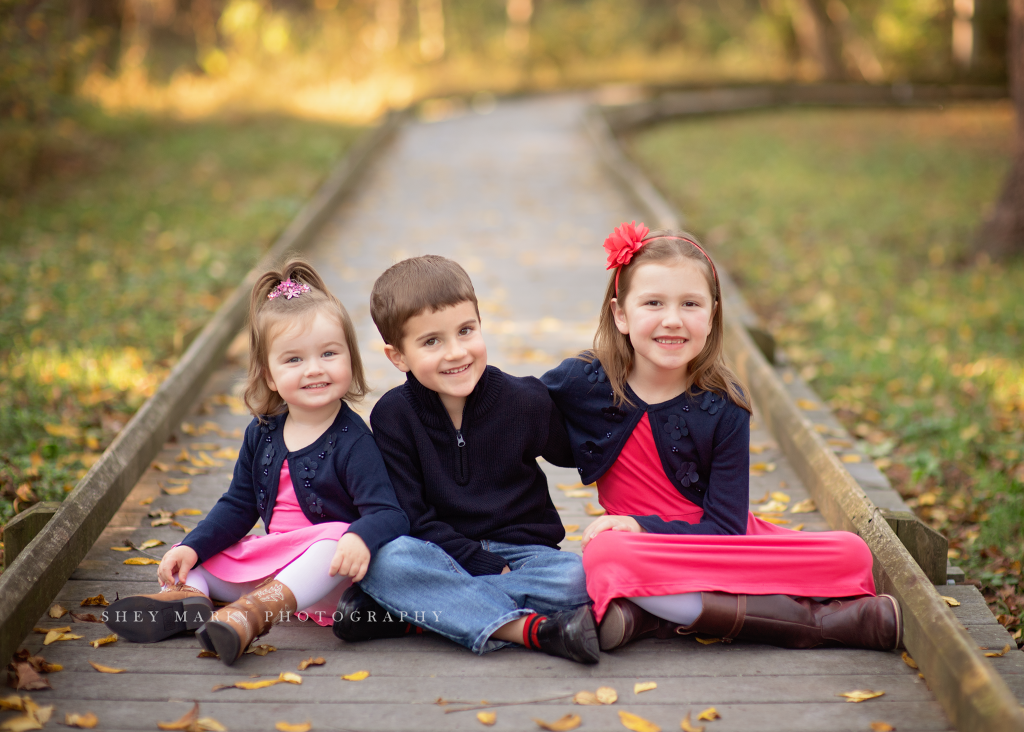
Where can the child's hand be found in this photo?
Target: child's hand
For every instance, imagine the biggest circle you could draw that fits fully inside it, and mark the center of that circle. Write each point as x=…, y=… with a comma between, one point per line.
x=611, y=523
x=352, y=558
x=178, y=561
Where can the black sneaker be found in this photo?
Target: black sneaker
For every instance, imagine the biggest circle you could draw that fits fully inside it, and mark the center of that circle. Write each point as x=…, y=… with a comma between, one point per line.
x=360, y=618
x=569, y=634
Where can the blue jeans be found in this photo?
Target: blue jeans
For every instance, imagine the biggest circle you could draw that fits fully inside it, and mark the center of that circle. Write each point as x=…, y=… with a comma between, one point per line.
x=422, y=584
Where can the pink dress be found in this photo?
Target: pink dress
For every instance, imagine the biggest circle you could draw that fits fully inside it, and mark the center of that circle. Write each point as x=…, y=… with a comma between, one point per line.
x=290, y=534
x=767, y=560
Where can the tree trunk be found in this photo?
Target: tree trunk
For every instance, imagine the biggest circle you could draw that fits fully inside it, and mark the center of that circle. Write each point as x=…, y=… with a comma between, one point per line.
x=1002, y=233
x=819, y=39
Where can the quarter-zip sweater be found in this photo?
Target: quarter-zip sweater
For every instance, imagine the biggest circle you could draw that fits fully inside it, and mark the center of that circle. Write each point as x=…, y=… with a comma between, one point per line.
x=702, y=438
x=339, y=477
x=480, y=482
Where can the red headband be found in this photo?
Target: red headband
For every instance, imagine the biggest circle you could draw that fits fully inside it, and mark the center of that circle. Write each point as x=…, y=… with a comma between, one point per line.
x=628, y=239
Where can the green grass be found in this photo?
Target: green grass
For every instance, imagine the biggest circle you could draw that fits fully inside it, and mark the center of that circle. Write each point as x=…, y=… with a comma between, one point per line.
x=843, y=228
x=113, y=260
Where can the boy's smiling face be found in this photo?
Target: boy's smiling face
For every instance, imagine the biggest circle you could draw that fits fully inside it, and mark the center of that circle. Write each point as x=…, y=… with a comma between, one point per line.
x=446, y=353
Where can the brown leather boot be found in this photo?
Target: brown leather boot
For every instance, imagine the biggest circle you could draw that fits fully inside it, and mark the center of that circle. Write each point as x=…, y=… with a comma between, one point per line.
x=151, y=618
x=231, y=629
x=625, y=621
x=873, y=623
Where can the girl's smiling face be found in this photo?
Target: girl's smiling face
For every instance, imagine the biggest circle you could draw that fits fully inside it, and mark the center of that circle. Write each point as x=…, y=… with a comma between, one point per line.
x=309, y=364
x=667, y=315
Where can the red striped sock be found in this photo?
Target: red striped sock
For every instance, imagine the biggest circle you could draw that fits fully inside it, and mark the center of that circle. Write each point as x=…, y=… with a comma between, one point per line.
x=530, y=627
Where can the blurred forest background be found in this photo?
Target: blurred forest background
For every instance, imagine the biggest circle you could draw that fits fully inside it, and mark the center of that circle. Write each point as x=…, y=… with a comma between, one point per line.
x=150, y=150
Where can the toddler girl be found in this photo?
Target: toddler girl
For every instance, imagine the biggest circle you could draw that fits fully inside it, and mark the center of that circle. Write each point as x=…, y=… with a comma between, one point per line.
x=308, y=467
x=658, y=420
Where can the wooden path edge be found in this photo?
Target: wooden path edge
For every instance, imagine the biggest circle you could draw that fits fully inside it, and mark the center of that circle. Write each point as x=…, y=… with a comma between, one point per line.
x=964, y=682
x=29, y=585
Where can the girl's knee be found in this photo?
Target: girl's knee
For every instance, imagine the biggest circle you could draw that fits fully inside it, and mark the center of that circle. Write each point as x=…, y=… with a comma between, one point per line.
x=605, y=548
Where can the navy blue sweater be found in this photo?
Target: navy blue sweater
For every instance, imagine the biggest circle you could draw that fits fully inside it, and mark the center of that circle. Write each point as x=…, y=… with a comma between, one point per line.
x=460, y=487
x=340, y=477
x=703, y=442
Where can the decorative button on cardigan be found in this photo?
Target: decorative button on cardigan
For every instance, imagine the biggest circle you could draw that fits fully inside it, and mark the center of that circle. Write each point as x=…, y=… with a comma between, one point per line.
x=702, y=438
x=340, y=477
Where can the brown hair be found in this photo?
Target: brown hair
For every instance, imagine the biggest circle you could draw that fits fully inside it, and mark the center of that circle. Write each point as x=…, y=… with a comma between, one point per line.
x=413, y=285
x=614, y=349
x=266, y=315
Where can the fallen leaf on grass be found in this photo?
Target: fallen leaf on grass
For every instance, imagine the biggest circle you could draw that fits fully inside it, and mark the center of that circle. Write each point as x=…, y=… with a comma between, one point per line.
x=488, y=718
x=951, y=601
x=150, y=543
x=27, y=678
x=571, y=527
x=106, y=669
x=607, y=695
x=318, y=661
x=57, y=611
x=706, y=641
x=120, y=548
x=861, y=695
x=261, y=650
x=709, y=715
x=637, y=724
x=178, y=491
x=207, y=654
x=579, y=494
x=804, y=506
x=85, y=618
x=104, y=641
x=83, y=721
x=686, y=726
x=566, y=723
x=357, y=676
x=591, y=510
x=55, y=635
x=642, y=686
x=908, y=660
x=286, y=727
x=851, y=458
x=998, y=654
x=881, y=727
x=140, y=561
x=98, y=600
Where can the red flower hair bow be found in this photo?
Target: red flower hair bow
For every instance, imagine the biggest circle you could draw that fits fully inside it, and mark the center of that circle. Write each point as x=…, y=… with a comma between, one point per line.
x=624, y=242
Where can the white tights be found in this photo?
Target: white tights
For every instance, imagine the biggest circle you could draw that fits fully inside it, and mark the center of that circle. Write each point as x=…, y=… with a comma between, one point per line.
x=306, y=577
x=683, y=609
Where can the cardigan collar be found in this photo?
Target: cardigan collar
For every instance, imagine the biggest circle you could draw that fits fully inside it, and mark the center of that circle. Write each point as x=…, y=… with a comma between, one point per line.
x=274, y=428
x=431, y=410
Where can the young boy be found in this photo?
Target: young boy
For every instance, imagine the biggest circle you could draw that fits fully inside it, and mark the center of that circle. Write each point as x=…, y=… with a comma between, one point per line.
x=460, y=440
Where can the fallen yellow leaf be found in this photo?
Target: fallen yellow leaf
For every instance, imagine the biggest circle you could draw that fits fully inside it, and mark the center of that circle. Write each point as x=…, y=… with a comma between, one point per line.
x=150, y=543
x=686, y=726
x=707, y=641
x=178, y=491
x=104, y=641
x=207, y=654
x=642, y=686
x=146, y=501
x=286, y=727
x=357, y=676
x=250, y=685
x=804, y=506
x=591, y=510
x=881, y=727
x=261, y=650
x=998, y=654
x=566, y=723
x=571, y=527
x=83, y=721
x=579, y=494
x=798, y=527
x=120, y=548
x=290, y=677
x=99, y=600
x=861, y=695
x=637, y=724
x=709, y=715
x=318, y=661
x=758, y=449
x=106, y=669
x=13, y=702
x=57, y=611
x=189, y=470
x=187, y=722
x=227, y=453
x=574, y=537
x=141, y=561
x=779, y=495
x=569, y=486
x=908, y=660
x=586, y=698
x=951, y=601
x=209, y=724
x=607, y=695
x=53, y=636
x=851, y=458
x=188, y=512
x=21, y=724
x=774, y=507
x=488, y=718
x=44, y=631
x=183, y=456
x=767, y=495
x=762, y=467
x=162, y=467
x=807, y=405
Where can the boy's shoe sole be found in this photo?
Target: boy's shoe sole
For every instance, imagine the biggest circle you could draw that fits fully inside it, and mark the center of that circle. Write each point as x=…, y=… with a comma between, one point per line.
x=148, y=620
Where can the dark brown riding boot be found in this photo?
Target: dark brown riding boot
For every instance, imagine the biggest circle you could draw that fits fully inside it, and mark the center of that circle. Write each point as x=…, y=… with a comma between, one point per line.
x=625, y=621
x=873, y=623
x=231, y=629
x=151, y=618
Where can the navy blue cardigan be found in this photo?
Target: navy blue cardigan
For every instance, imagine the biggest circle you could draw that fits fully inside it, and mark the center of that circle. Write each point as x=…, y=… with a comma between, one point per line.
x=340, y=477
x=460, y=487
x=703, y=441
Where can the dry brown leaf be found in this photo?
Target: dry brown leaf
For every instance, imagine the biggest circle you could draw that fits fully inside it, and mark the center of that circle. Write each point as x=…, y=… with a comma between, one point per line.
x=607, y=695
x=27, y=678
x=951, y=601
x=120, y=548
x=112, y=638
x=998, y=654
x=488, y=718
x=318, y=661
x=908, y=660
x=45, y=666
x=642, y=686
x=804, y=506
x=85, y=618
x=637, y=724
x=106, y=669
x=207, y=654
x=706, y=641
x=586, y=698
x=686, y=726
x=178, y=491
x=566, y=723
x=83, y=721
x=881, y=727
x=187, y=722
x=571, y=527
x=97, y=600
x=851, y=458
x=591, y=510
x=357, y=676
x=290, y=677
x=861, y=695
x=709, y=715
x=140, y=561
x=150, y=543
x=57, y=611
x=287, y=727
x=261, y=650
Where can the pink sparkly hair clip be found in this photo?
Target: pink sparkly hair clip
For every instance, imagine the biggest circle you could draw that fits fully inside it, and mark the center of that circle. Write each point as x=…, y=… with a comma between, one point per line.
x=289, y=289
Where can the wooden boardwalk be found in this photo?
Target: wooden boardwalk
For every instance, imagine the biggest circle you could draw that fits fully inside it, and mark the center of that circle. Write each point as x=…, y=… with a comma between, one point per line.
x=518, y=197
